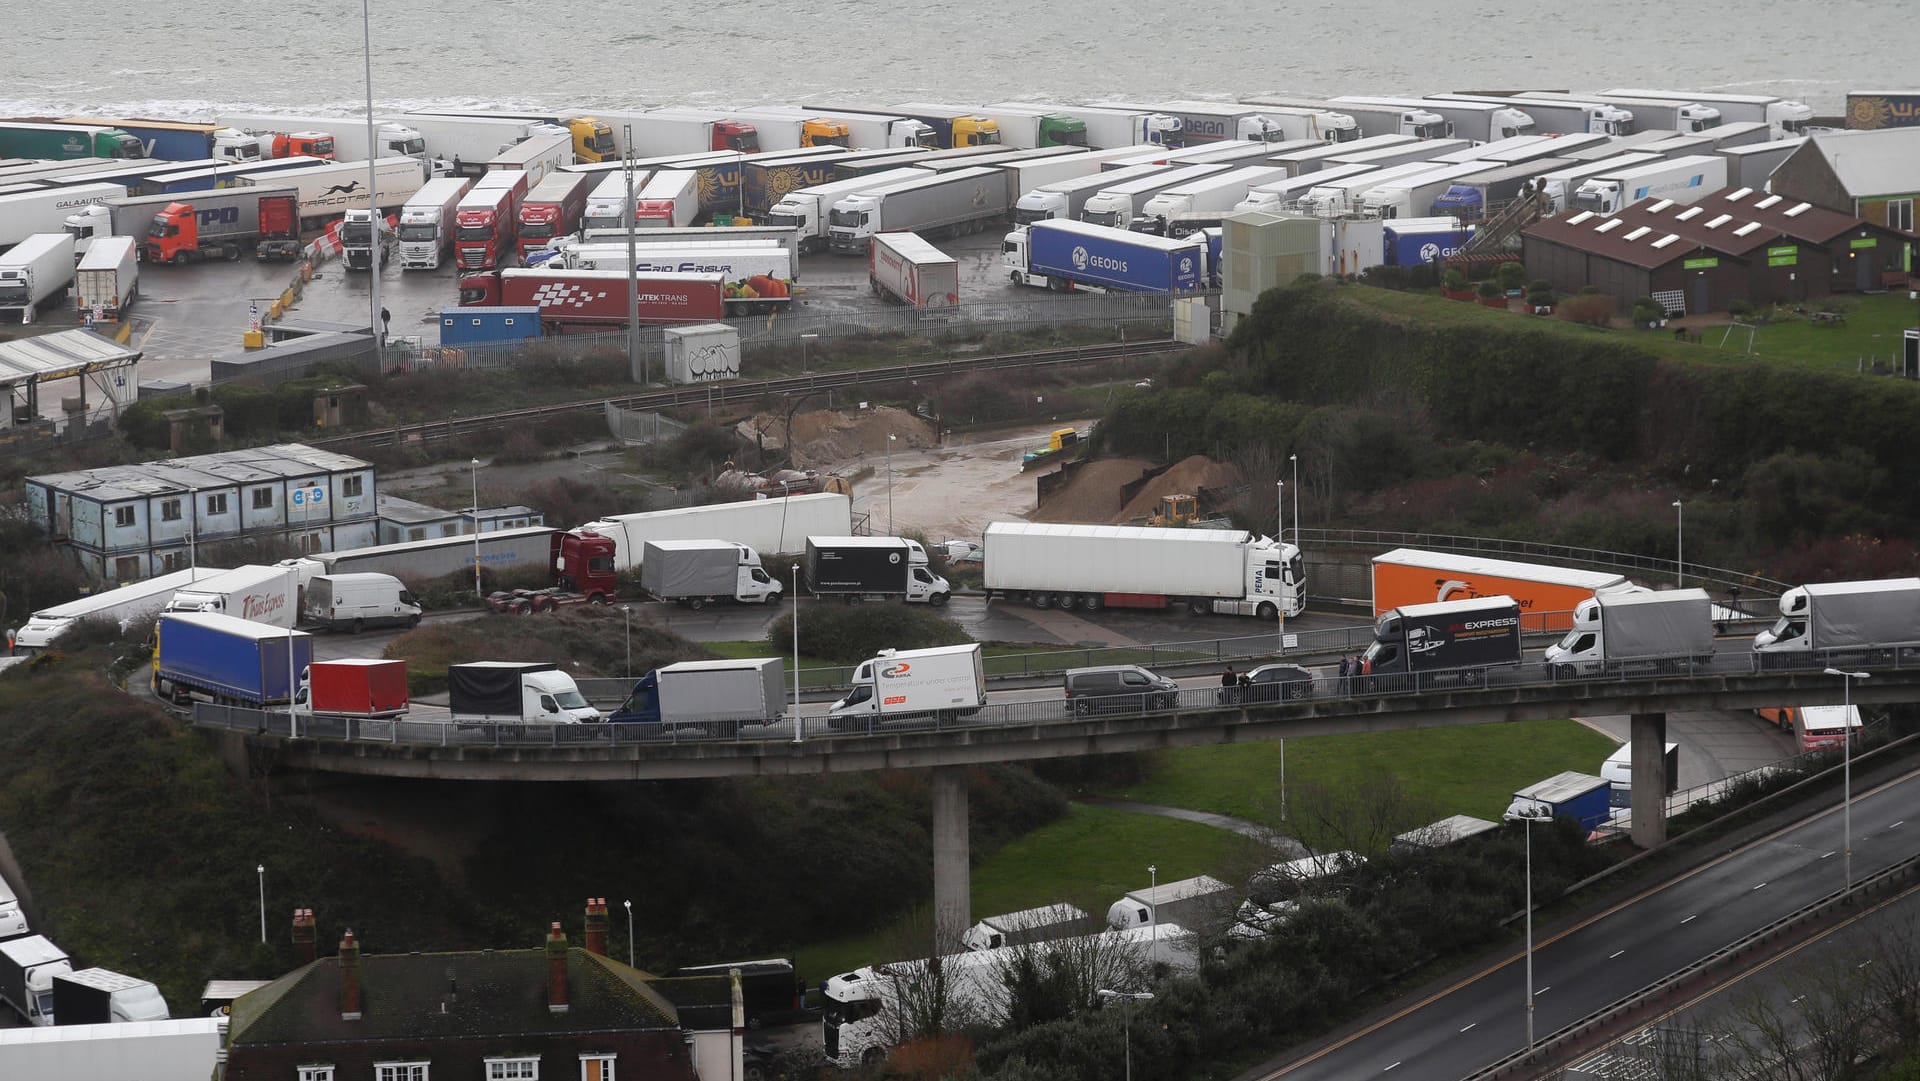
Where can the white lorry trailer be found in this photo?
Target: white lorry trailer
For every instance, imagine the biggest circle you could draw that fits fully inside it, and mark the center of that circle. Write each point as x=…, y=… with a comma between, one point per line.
x=257, y=593
x=331, y=189
x=107, y=281
x=671, y=200
x=1327, y=155
x=1553, y=116
x=1333, y=198
x=1849, y=619
x=904, y=268
x=1229, y=572
x=48, y=210
x=465, y=144
x=1560, y=184
x=944, y=682
x=27, y=968
x=1107, y=127
x=126, y=605
x=426, y=223
x=1668, y=113
x=1024, y=177
x=538, y=156
x=1421, y=122
x=1194, y=902
x=34, y=273
x=959, y=201
x=1118, y=205
x=607, y=202
x=1479, y=121
x=1412, y=195
x=182, y=1050
x=734, y=258
x=1683, y=180
x=1632, y=630
x=807, y=210
x=1026, y=926
x=1275, y=194
x=695, y=573
x=772, y=526
x=1216, y=193
x=395, y=138
x=1214, y=121
x=1067, y=198
x=1787, y=118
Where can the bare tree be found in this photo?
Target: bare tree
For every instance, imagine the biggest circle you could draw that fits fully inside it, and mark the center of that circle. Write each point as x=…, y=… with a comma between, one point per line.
x=1363, y=818
x=1893, y=981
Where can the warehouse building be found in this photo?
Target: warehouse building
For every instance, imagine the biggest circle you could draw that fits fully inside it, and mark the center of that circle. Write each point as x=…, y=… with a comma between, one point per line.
x=1874, y=175
x=126, y=522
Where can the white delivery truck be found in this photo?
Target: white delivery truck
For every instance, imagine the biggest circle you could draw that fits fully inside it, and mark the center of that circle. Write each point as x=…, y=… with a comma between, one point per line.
x=774, y=526
x=1853, y=620
x=27, y=968
x=806, y=210
x=126, y=605
x=1228, y=572
x=182, y=1050
x=34, y=272
x=515, y=692
x=943, y=681
x=857, y=569
x=107, y=281
x=256, y=593
x=904, y=268
x=356, y=601
x=695, y=573
x=1683, y=180
x=1628, y=630
x=426, y=223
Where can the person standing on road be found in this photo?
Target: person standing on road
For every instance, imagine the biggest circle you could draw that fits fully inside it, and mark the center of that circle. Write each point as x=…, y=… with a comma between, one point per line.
x=1228, y=683
x=1345, y=670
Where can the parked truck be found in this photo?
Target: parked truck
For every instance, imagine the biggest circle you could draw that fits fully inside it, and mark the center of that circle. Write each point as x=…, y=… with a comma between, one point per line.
x=224, y=659
x=175, y=141
x=784, y=127
x=129, y=605
x=1422, y=241
x=735, y=260
x=808, y=210
x=1193, y=902
x=1547, y=594
x=1413, y=194
x=1482, y=122
x=34, y=273
x=51, y=209
x=1215, y=193
x=1560, y=184
x=1066, y=255
x=671, y=200
x=1786, y=118
x=1630, y=630
x=362, y=688
x=592, y=137
x=572, y=301
x=1445, y=642
x=487, y=220
x=1683, y=180
x=422, y=561
x=773, y=526
x=537, y=156
x=945, y=682
x=101, y=996
x=1106, y=126
x=1582, y=798
x=333, y=188
x=1421, y=122
x=952, y=125
x=365, y=237
x=223, y=224
x=1339, y=198
x=1670, y=114
x=1067, y=198
x=1277, y=194
x=59, y=142
x=465, y=145
x=1869, y=620
x=695, y=573
x=1566, y=116
x=1118, y=205
x=107, y=281
x=1028, y=126
x=427, y=227
x=960, y=201
x=515, y=692
x=1224, y=571
x=257, y=593
x=686, y=131
x=552, y=209
x=1217, y=121
x=183, y=1050
x=607, y=203
x=712, y=696
x=1470, y=198
x=343, y=138
x=27, y=968
x=904, y=268
x=1027, y=926
x=857, y=569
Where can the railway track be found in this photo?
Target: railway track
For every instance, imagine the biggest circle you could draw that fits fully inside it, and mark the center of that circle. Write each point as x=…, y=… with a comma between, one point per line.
x=728, y=393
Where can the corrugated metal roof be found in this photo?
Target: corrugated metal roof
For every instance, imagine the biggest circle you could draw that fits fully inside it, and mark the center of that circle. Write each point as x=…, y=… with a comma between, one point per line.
x=59, y=355
x=1870, y=163
x=1730, y=222
x=253, y=465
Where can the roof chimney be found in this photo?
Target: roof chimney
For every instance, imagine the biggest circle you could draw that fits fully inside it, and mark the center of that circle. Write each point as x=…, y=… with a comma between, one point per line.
x=556, y=969
x=597, y=925
x=304, y=936
x=349, y=978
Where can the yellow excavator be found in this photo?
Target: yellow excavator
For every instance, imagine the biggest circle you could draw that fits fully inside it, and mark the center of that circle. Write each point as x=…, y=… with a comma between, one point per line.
x=1176, y=510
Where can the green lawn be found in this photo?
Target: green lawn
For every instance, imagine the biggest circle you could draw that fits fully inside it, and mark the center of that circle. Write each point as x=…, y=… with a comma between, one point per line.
x=1471, y=770
x=1093, y=856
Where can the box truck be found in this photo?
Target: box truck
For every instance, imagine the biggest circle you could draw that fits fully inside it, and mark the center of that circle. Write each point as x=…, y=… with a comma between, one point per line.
x=907, y=269
x=710, y=695
x=1482, y=122
x=129, y=605
x=807, y=210
x=427, y=222
x=1064, y=255
x=695, y=573
x=358, y=687
x=183, y=1050
x=34, y=273
x=773, y=526
x=961, y=201
x=1118, y=204
x=1546, y=594
x=515, y=692
x=101, y=996
x=1445, y=642
x=1106, y=127
x=1225, y=571
x=1194, y=902
x=943, y=681
x=1634, y=630
x=487, y=220
x=1844, y=619
x=1686, y=179
x=252, y=592
x=857, y=569
x=27, y=968
x=1026, y=926
x=1786, y=118
x=107, y=281
x=216, y=657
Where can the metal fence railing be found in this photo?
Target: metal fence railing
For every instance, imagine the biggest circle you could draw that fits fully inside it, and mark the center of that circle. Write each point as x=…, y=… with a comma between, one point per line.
x=1672, y=675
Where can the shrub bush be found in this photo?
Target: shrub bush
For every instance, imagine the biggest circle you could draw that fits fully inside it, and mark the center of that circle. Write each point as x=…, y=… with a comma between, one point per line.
x=1490, y=289
x=1589, y=309
x=1511, y=276
x=849, y=634
x=1647, y=310
x=1454, y=279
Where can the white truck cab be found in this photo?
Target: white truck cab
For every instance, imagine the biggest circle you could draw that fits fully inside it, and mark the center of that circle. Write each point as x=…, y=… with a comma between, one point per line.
x=554, y=697
x=945, y=681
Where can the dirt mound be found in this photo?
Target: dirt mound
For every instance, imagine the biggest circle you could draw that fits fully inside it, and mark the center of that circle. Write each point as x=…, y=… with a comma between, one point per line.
x=1187, y=477
x=1093, y=495
x=826, y=438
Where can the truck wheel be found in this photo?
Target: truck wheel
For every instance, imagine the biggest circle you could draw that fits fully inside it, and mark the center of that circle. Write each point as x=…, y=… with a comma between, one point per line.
x=937, y=600
x=1094, y=602
x=1199, y=608
x=412, y=622
x=598, y=598
x=522, y=608
x=696, y=603
x=853, y=600
x=1068, y=602
x=1267, y=612
x=1015, y=276
x=1042, y=600
x=232, y=253
x=179, y=259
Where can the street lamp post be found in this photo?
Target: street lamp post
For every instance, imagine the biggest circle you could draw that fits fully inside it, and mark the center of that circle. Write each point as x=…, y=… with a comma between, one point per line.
x=1280, y=531
x=293, y=677
x=889, y=483
x=1679, y=545
x=629, y=905
x=261, y=870
x=1153, y=914
x=1528, y=817
x=626, y=611
x=1126, y=1022
x=799, y=723
x=193, y=521
x=1846, y=763
x=477, y=592
x=1295, y=459
x=376, y=327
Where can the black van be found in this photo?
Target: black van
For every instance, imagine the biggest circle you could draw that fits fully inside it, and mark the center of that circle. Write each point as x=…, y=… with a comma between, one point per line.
x=1118, y=688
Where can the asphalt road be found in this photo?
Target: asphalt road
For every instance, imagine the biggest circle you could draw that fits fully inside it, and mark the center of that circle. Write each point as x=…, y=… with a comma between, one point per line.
x=1460, y=1030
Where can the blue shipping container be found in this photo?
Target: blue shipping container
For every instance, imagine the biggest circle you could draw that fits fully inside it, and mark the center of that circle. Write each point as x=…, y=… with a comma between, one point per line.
x=208, y=654
x=1415, y=247
x=487, y=323
x=1116, y=258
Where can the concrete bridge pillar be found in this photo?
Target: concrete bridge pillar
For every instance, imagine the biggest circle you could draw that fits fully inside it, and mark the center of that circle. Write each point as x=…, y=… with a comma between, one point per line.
x=952, y=883
x=1649, y=735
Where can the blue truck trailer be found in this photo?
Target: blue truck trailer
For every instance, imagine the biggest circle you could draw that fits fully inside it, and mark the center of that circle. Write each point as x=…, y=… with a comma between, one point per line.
x=224, y=659
x=1582, y=797
x=1422, y=241
x=1061, y=255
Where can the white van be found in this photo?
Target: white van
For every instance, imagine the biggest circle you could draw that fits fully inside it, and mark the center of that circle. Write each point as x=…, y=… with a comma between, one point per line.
x=13, y=922
x=355, y=601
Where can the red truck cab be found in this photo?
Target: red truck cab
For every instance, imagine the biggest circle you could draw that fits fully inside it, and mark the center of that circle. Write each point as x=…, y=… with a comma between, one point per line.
x=487, y=221
x=736, y=135
x=174, y=236
x=299, y=144
x=552, y=209
x=583, y=562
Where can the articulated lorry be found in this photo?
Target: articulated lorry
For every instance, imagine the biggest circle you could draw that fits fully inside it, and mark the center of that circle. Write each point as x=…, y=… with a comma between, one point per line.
x=722, y=254
x=1683, y=180
x=1067, y=198
x=1476, y=120
x=1867, y=621
x=330, y=189
x=592, y=137
x=1560, y=184
x=960, y=201
x=709, y=695
x=1565, y=116
x=772, y=526
x=1470, y=198
x=1118, y=205
x=1224, y=571
x=49, y=210
x=487, y=220
x=1276, y=194
x=537, y=156
x=1669, y=114
x=1194, y=902
x=466, y=144
x=206, y=225
x=945, y=682
x=27, y=968
x=1029, y=925
x=427, y=222
x=1067, y=255
x=1412, y=195
x=1028, y=126
x=107, y=281
x=515, y=692
x=1422, y=241
x=34, y=273
x=857, y=569
x=126, y=606
x=1107, y=127
x=1215, y=193
x=365, y=237
x=1338, y=198
x=783, y=127
x=1421, y=122
x=179, y=1050
x=59, y=142
x=572, y=301
x=952, y=125
x=1627, y=631
x=223, y=659
x=1785, y=117
x=1547, y=594
x=1456, y=642
x=808, y=211
x=552, y=209
x=172, y=141
x=260, y=594
x=671, y=200
x=688, y=131
x=334, y=137
x=695, y=573
x=1217, y=121
x=904, y=268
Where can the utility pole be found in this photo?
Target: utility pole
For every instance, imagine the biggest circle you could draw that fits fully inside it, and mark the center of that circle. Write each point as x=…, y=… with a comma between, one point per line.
x=636, y=367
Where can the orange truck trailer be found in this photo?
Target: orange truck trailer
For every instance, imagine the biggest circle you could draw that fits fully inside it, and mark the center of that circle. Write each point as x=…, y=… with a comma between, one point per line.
x=1546, y=594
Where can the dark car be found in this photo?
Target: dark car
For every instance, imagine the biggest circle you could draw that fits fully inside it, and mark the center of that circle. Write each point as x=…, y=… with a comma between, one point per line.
x=1119, y=688
x=1272, y=683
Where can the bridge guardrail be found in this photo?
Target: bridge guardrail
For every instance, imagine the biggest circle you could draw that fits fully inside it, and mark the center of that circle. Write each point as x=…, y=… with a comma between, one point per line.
x=1016, y=714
